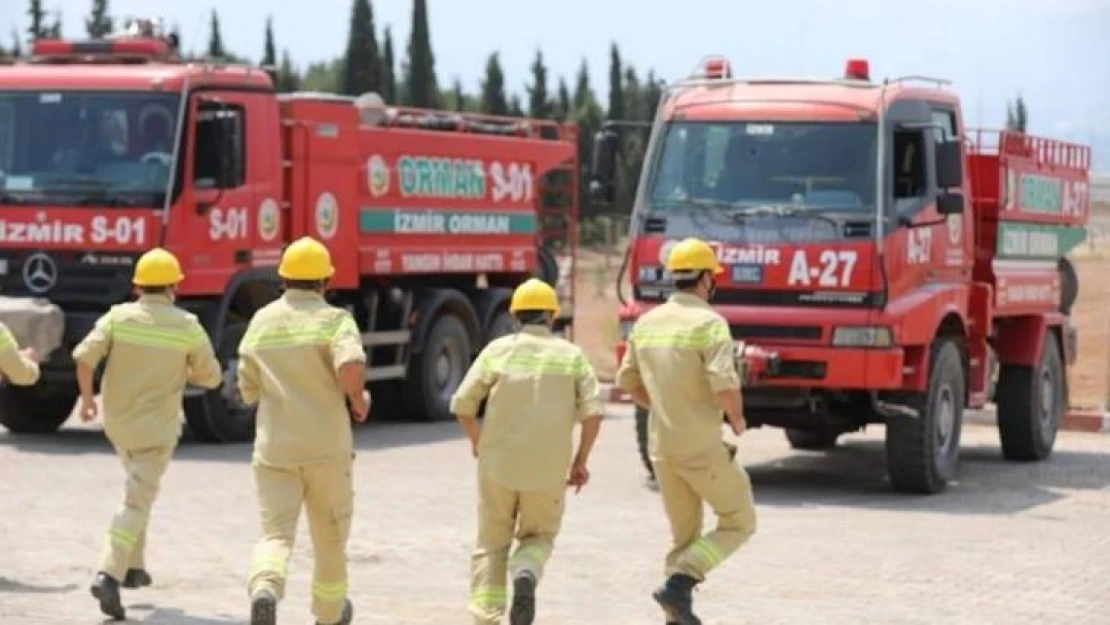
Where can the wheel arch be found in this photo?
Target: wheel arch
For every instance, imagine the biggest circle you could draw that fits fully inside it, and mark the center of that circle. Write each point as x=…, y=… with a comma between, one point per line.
x=434, y=302
x=246, y=292
x=488, y=304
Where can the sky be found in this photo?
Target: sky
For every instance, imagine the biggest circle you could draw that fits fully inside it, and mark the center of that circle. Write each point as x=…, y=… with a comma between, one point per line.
x=1056, y=53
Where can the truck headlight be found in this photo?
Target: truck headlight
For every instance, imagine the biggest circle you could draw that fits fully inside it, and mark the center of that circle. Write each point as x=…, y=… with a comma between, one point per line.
x=624, y=328
x=863, y=336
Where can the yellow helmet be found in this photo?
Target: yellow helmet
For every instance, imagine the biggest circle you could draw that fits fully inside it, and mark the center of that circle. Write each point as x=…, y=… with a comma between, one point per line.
x=158, y=267
x=534, y=294
x=306, y=259
x=692, y=255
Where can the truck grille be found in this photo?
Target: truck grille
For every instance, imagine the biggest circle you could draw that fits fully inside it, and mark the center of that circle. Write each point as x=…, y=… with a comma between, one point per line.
x=797, y=333
x=73, y=280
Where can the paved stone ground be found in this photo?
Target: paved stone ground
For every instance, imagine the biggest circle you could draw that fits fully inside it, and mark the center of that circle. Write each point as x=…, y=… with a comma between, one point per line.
x=1008, y=544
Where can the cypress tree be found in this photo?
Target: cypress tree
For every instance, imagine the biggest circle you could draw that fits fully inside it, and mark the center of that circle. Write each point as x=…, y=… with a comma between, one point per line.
x=494, y=101
x=269, y=50
x=38, y=27
x=539, y=104
x=515, y=107
x=389, y=76
x=421, y=87
x=215, y=40
x=288, y=80
x=459, y=96
x=616, y=89
x=361, y=66
x=562, y=106
x=99, y=23
x=582, y=89
x=17, y=46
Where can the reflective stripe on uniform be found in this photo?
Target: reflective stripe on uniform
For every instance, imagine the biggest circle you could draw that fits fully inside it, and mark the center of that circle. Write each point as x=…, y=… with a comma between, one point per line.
x=321, y=333
x=268, y=564
x=125, y=331
x=333, y=591
x=7, y=341
x=698, y=338
x=122, y=538
x=707, y=552
x=535, y=554
x=546, y=364
x=488, y=597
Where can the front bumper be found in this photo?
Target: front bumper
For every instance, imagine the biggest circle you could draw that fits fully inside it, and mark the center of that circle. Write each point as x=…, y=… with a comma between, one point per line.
x=842, y=368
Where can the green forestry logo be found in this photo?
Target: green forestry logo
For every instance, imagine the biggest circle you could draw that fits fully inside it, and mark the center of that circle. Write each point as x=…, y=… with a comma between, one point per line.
x=377, y=176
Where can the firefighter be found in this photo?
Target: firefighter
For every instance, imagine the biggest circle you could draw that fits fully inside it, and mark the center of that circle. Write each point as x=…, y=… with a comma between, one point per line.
x=17, y=366
x=536, y=387
x=680, y=364
x=150, y=349
x=302, y=361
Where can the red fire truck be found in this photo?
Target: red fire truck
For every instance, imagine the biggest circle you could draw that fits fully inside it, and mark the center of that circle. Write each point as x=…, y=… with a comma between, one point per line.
x=895, y=262
x=111, y=147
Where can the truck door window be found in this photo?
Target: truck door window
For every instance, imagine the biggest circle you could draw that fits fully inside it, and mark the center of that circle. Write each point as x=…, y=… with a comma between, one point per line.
x=910, y=182
x=944, y=123
x=219, y=158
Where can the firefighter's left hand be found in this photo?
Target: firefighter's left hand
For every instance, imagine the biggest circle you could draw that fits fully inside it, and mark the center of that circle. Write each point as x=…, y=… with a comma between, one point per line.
x=579, y=476
x=88, y=409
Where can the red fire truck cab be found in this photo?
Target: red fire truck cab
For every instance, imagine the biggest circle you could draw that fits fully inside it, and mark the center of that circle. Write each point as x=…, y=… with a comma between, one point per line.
x=894, y=261
x=111, y=147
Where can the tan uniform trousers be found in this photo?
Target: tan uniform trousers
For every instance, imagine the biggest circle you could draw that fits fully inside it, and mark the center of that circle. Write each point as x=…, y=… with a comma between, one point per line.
x=125, y=544
x=683, y=485
x=326, y=491
x=534, y=517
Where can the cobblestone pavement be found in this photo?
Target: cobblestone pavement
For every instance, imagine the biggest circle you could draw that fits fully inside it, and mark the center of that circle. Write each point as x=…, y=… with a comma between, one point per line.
x=1010, y=543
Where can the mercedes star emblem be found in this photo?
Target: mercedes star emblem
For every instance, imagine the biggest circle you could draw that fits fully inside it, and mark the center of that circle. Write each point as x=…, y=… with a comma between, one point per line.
x=40, y=274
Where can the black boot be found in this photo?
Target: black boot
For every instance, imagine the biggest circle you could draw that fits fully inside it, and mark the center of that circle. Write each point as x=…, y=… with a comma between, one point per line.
x=136, y=578
x=263, y=608
x=348, y=614
x=523, y=611
x=106, y=590
x=675, y=596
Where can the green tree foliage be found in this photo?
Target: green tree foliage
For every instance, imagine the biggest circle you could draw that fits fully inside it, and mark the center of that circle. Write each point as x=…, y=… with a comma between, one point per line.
x=17, y=46
x=563, y=103
x=99, y=23
x=616, y=86
x=494, y=101
x=1016, y=115
x=653, y=93
x=326, y=77
x=287, y=80
x=361, y=65
x=516, y=108
x=38, y=28
x=539, y=103
x=269, y=49
x=54, y=31
x=389, y=76
x=458, y=97
x=420, y=82
x=215, y=39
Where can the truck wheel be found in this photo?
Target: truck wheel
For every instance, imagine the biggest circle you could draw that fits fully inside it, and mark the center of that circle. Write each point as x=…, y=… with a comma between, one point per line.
x=642, y=440
x=922, y=452
x=1030, y=405
x=547, y=267
x=502, y=324
x=437, y=370
x=38, y=409
x=220, y=415
x=814, y=440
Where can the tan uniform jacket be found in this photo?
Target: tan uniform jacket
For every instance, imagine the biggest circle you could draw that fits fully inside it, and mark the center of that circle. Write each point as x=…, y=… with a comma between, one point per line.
x=15, y=367
x=538, y=385
x=682, y=353
x=289, y=363
x=153, y=349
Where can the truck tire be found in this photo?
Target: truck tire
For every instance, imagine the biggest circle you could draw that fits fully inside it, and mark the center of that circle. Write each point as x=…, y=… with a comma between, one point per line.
x=437, y=370
x=1031, y=402
x=547, y=268
x=220, y=416
x=642, y=441
x=38, y=409
x=1069, y=285
x=922, y=452
x=501, y=325
x=813, y=440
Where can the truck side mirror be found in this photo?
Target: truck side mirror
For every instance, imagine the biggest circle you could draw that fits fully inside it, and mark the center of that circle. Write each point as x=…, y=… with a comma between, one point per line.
x=950, y=164
x=603, y=166
x=950, y=203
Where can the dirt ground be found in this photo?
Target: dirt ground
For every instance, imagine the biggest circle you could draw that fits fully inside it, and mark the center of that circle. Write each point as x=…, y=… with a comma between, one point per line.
x=597, y=305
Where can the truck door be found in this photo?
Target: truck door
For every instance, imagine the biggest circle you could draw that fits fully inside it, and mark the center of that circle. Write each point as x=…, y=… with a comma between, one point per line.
x=224, y=181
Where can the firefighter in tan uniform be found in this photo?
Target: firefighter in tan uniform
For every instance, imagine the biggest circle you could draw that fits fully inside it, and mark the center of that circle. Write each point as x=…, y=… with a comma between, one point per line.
x=537, y=386
x=680, y=364
x=302, y=360
x=17, y=366
x=151, y=350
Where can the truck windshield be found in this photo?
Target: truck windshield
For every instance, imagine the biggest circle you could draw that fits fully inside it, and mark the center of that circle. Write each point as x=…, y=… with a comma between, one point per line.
x=822, y=167
x=86, y=148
